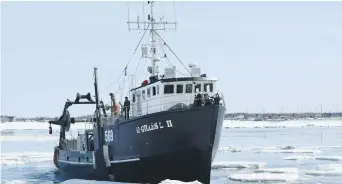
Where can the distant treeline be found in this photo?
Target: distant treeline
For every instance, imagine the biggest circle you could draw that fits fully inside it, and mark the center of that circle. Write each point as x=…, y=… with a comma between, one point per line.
x=240, y=115
x=304, y=115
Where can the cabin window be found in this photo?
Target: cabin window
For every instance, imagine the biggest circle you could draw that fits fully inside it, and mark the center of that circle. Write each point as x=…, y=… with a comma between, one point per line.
x=153, y=90
x=133, y=97
x=208, y=87
x=179, y=88
x=143, y=94
x=148, y=92
x=168, y=89
x=157, y=89
x=198, y=88
x=188, y=88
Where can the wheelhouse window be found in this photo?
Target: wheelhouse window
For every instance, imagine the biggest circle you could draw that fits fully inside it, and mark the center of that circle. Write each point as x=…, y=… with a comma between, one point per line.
x=143, y=94
x=133, y=97
x=198, y=88
x=208, y=87
x=148, y=92
x=153, y=90
x=188, y=88
x=179, y=88
x=168, y=89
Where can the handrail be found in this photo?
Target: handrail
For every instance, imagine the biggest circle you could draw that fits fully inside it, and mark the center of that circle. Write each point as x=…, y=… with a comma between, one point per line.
x=161, y=104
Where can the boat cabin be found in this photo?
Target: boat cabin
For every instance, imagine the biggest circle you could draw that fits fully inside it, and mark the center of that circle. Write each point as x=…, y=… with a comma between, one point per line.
x=158, y=95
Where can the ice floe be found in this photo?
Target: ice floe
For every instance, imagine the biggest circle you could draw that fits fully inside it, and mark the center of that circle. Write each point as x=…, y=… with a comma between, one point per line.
x=39, y=138
x=329, y=167
x=260, y=177
x=324, y=173
x=14, y=182
x=80, y=181
x=178, y=182
x=299, y=157
x=282, y=124
x=35, y=126
x=326, y=170
x=296, y=150
x=25, y=157
x=230, y=149
x=290, y=170
x=236, y=164
x=331, y=158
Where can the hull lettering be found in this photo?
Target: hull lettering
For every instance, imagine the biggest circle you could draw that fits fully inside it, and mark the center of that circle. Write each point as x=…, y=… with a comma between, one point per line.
x=154, y=126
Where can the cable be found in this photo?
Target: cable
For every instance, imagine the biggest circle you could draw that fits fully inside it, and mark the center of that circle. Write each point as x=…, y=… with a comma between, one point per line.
x=141, y=57
x=136, y=48
x=172, y=52
x=167, y=58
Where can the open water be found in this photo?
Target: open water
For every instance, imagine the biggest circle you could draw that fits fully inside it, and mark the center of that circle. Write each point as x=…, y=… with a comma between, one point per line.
x=248, y=153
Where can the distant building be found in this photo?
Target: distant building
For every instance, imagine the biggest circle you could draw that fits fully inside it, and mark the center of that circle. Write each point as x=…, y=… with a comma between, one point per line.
x=7, y=119
x=11, y=119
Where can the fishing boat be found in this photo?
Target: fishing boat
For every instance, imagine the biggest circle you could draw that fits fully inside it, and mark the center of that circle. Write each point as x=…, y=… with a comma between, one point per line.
x=170, y=129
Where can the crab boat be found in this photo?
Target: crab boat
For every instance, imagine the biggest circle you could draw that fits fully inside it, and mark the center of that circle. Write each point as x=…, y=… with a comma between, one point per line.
x=172, y=130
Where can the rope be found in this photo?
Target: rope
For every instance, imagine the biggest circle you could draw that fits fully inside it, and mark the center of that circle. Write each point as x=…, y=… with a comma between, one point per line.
x=167, y=58
x=173, y=52
x=136, y=48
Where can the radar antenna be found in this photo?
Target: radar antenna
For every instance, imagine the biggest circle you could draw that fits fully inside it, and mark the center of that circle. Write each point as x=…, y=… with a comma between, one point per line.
x=153, y=26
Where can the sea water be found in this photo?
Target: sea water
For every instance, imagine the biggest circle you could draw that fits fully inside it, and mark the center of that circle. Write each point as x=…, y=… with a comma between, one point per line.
x=263, y=152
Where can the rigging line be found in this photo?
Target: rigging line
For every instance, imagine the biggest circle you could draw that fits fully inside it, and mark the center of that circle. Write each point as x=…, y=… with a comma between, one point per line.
x=160, y=44
x=136, y=69
x=117, y=90
x=136, y=48
x=167, y=58
x=122, y=89
x=172, y=52
x=137, y=79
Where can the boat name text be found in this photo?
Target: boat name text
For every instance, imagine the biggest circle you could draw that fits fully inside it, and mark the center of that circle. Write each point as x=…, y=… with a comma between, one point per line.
x=154, y=126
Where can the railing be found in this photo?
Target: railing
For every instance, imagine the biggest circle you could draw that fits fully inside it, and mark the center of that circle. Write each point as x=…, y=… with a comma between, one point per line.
x=147, y=101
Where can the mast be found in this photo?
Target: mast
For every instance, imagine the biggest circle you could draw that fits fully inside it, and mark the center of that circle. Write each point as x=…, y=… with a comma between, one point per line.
x=153, y=47
x=153, y=26
x=98, y=110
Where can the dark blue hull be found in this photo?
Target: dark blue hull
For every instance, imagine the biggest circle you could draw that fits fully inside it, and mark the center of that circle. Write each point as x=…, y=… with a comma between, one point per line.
x=177, y=145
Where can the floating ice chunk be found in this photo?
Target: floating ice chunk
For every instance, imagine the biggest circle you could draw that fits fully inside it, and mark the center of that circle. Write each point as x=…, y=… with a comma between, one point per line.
x=287, y=147
x=25, y=157
x=297, y=150
x=277, y=170
x=327, y=170
x=36, y=126
x=299, y=157
x=236, y=164
x=229, y=149
x=80, y=181
x=38, y=138
x=325, y=173
x=331, y=158
x=178, y=182
x=13, y=182
x=330, y=167
x=259, y=177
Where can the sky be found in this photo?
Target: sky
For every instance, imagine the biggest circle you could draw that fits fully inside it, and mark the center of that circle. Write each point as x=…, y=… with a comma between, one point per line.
x=268, y=56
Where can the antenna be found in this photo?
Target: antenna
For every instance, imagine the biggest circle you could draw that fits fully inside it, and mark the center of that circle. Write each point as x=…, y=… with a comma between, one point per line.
x=153, y=26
